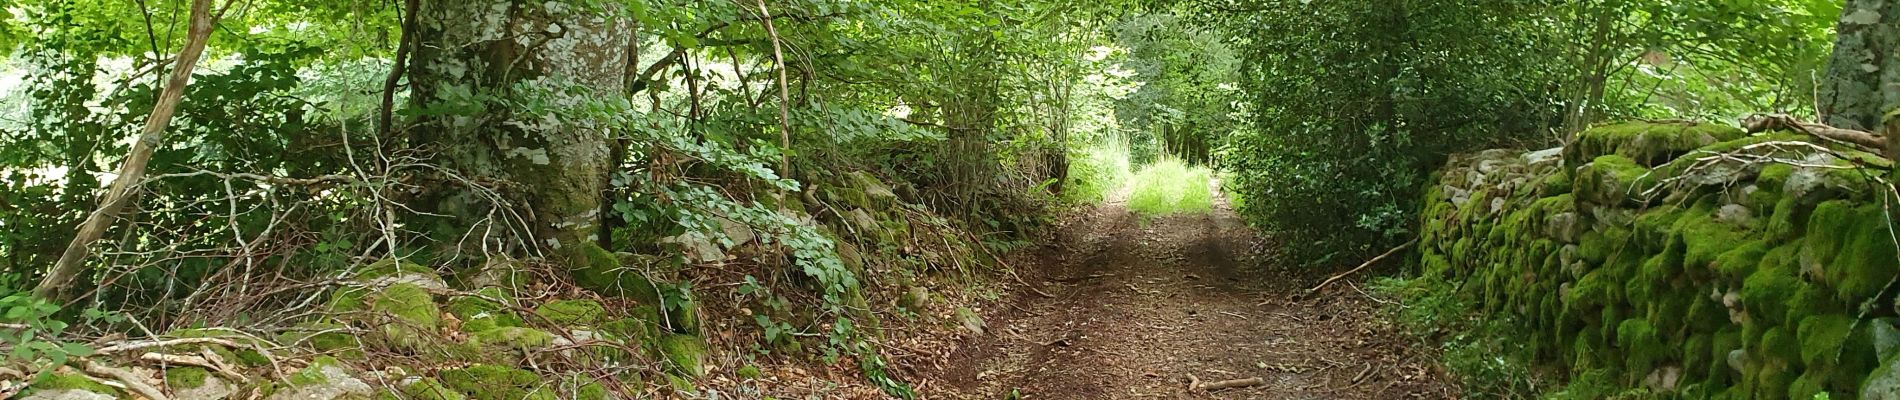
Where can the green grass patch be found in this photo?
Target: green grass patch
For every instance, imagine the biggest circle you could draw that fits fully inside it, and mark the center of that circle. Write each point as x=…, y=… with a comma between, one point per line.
x=1171, y=187
x=1487, y=354
x=1095, y=172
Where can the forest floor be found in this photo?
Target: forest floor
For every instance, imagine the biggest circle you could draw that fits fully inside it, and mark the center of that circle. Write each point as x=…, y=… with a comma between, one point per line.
x=1127, y=308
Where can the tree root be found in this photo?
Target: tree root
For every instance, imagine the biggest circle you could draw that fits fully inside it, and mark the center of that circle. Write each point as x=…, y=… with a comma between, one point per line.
x=1368, y=263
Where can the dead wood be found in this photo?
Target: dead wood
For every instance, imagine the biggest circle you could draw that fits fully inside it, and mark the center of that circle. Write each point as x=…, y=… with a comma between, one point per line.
x=1368, y=263
x=1229, y=384
x=1769, y=122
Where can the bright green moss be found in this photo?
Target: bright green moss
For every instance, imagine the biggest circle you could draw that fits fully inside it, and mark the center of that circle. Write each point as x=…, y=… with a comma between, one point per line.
x=1705, y=239
x=1779, y=344
x=428, y=389
x=1741, y=260
x=1723, y=343
x=1765, y=293
x=1822, y=337
x=389, y=267
x=479, y=313
x=1855, y=254
x=312, y=374
x=572, y=312
x=513, y=337
x=685, y=354
x=1787, y=221
x=1614, y=180
x=1808, y=384
x=750, y=371
x=50, y=382
x=494, y=382
x=185, y=377
x=1646, y=142
x=600, y=271
x=1642, y=346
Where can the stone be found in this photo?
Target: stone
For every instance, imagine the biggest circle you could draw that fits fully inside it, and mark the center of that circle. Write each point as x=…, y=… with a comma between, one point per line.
x=67, y=394
x=1553, y=154
x=1884, y=383
x=1736, y=215
x=322, y=380
x=968, y=319
x=737, y=233
x=213, y=388
x=1565, y=227
x=1738, y=360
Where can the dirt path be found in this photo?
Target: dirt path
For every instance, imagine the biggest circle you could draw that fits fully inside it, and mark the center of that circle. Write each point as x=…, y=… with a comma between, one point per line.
x=1138, y=307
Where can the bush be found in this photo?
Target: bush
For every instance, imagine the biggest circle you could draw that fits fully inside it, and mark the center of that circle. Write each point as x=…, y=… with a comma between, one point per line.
x=1171, y=187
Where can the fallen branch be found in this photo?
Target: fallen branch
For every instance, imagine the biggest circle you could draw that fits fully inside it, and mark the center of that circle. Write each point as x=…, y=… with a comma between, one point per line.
x=1226, y=384
x=195, y=361
x=1368, y=263
x=133, y=383
x=168, y=342
x=1769, y=122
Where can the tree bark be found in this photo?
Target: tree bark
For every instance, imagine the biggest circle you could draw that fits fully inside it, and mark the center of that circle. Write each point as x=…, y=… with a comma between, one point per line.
x=1863, y=75
x=507, y=89
x=132, y=171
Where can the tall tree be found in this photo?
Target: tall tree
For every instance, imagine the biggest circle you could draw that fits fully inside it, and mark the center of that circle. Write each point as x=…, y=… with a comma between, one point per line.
x=507, y=93
x=1863, y=75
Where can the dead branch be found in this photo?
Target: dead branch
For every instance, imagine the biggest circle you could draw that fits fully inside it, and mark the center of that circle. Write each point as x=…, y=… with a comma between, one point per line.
x=1368, y=263
x=1770, y=122
x=132, y=382
x=1228, y=384
x=132, y=172
x=129, y=346
x=195, y=361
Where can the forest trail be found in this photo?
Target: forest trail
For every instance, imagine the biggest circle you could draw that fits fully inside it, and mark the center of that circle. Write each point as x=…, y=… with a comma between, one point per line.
x=1138, y=307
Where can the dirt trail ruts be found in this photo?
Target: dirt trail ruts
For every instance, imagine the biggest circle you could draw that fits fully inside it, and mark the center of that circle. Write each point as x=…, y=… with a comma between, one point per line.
x=1139, y=306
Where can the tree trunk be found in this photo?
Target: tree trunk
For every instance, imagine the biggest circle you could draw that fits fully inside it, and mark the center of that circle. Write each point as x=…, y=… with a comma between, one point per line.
x=1863, y=75
x=132, y=171
x=505, y=88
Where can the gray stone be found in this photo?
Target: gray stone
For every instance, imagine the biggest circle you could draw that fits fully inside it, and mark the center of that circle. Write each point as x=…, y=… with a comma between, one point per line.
x=336, y=383
x=212, y=389
x=968, y=319
x=1565, y=227
x=1738, y=360
x=1884, y=383
x=1553, y=154
x=67, y=394
x=1736, y=215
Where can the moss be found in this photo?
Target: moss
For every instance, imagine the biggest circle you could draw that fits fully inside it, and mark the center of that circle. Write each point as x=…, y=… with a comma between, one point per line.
x=1822, y=337
x=750, y=372
x=572, y=312
x=312, y=374
x=429, y=389
x=479, y=313
x=185, y=377
x=1856, y=254
x=583, y=388
x=1779, y=344
x=494, y=382
x=1765, y=293
x=1641, y=345
x=56, y=381
x=1647, y=142
x=685, y=354
x=1555, y=184
x=1788, y=219
x=513, y=337
x=1705, y=240
x=600, y=271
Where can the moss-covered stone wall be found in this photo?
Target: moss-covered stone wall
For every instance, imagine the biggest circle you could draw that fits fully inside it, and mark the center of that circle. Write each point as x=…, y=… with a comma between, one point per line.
x=1683, y=260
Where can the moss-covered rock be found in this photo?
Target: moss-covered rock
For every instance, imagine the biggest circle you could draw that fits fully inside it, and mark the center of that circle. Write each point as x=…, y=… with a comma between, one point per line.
x=483, y=311
x=599, y=270
x=405, y=315
x=1651, y=143
x=423, y=388
x=572, y=312
x=685, y=354
x=62, y=383
x=494, y=382
x=325, y=378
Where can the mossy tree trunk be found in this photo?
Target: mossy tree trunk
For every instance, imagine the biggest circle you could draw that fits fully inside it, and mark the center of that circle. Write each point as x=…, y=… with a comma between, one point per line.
x=506, y=91
x=1863, y=75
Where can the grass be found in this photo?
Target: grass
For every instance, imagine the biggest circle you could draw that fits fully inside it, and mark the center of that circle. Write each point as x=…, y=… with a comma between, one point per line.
x=1095, y=172
x=1171, y=187
x=1486, y=354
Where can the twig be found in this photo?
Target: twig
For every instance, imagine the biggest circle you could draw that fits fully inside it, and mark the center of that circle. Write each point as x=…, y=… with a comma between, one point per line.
x=194, y=361
x=1368, y=263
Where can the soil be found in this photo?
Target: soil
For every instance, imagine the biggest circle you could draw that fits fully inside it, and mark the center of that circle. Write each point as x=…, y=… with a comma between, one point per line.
x=1124, y=306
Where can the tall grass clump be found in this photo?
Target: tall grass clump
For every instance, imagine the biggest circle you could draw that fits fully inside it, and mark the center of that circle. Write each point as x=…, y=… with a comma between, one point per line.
x=1171, y=187
x=1095, y=171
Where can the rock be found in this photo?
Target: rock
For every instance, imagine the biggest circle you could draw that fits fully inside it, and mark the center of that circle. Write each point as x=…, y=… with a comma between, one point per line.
x=1663, y=379
x=322, y=380
x=1543, y=156
x=737, y=234
x=1884, y=383
x=213, y=388
x=968, y=319
x=1735, y=214
x=1565, y=227
x=1886, y=337
x=1738, y=360
x=685, y=354
x=68, y=394
x=572, y=312
x=862, y=220
x=915, y=299
x=698, y=247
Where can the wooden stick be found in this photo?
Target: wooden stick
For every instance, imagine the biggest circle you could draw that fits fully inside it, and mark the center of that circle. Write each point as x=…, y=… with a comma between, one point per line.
x=133, y=382
x=1368, y=263
x=1231, y=383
